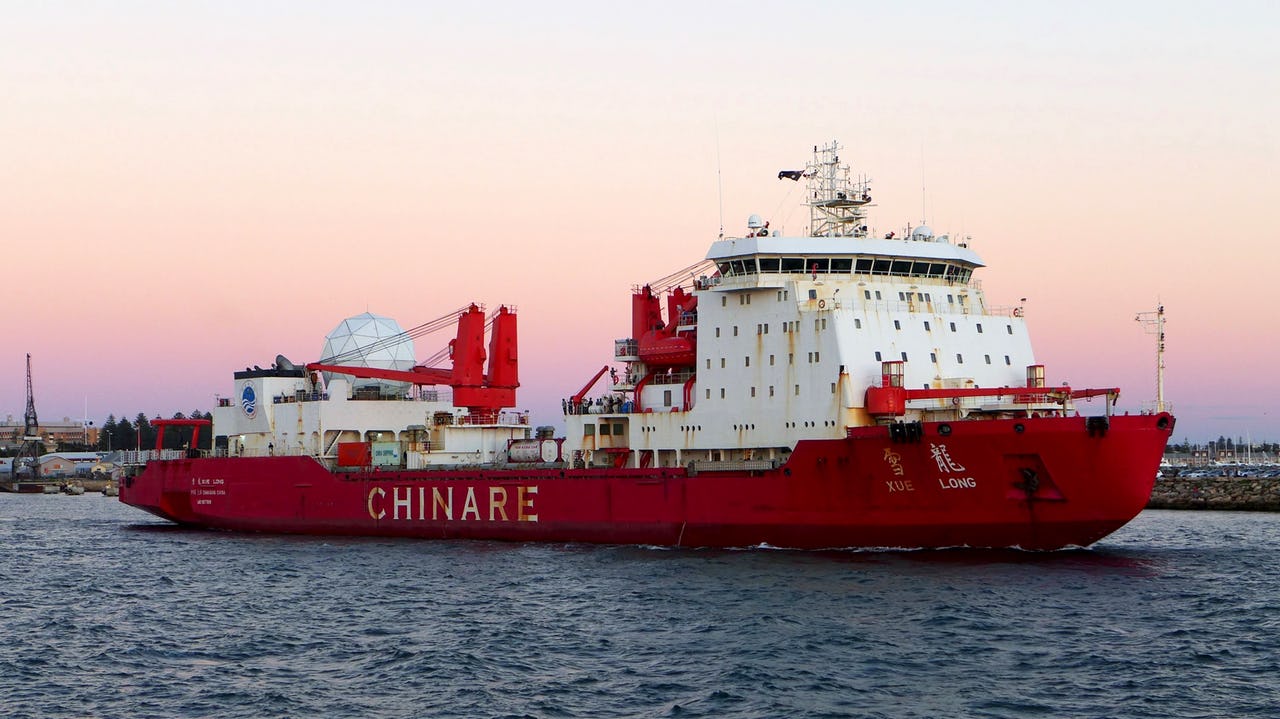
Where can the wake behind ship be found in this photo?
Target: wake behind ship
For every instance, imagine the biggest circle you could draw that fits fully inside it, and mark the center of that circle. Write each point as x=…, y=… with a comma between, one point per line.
x=830, y=390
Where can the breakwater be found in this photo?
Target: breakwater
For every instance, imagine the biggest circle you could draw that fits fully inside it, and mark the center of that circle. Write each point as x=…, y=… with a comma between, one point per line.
x=1259, y=494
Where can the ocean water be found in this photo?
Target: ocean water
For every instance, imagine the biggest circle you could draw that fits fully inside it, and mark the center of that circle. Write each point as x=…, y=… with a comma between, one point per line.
x=107, y=612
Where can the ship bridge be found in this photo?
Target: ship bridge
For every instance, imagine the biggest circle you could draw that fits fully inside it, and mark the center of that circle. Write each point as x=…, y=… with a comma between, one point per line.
x=937, y=259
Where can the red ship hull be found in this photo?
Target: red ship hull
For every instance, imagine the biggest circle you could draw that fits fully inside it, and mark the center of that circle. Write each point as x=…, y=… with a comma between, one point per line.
x=1041, y=483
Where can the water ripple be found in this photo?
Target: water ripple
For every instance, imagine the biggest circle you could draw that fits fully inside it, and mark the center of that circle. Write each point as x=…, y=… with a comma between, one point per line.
x=109, y=613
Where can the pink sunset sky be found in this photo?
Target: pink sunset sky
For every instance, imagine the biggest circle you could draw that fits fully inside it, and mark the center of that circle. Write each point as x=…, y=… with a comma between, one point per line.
x=190, y=188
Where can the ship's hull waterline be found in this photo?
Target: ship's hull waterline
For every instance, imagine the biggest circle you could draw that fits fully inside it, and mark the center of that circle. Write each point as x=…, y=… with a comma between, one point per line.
x=1039, y=483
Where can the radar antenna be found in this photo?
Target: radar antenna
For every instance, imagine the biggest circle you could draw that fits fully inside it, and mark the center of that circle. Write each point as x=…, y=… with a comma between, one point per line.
x=837, y=204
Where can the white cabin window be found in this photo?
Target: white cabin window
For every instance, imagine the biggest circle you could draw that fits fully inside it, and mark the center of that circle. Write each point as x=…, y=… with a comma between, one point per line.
x=791, y=358
x=746, y=361
x=735, y=330
x=926, y=325
x=833, y=388
x=953, y=326
x=722, y=393
x=721, y=363
x=797, y=390
x=770, y=390
x=708, y=393
x=866, y=294
x=857, y=323
x=1006, y=360
x=666, y=398
x=897, y=325
x=717, y=332
x=959, y=358
x=724, y=300
x=979, y=328
x=770, y=360
x=877, y=294
x=877, y=356
x=753, y=391
x=987, y=358
x=933, y=356
x=904, y=356
x=1010, y=328
x=708, y=363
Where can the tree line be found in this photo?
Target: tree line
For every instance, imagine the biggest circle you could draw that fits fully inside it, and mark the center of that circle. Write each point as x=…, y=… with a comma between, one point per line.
x=1224, y=444
x=120, y=433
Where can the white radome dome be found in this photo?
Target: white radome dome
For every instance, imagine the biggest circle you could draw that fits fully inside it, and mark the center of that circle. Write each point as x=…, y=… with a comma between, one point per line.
x=369, y=340
x=922, y=233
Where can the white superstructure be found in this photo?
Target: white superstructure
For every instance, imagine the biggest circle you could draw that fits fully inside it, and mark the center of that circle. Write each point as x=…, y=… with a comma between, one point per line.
x=791, y=331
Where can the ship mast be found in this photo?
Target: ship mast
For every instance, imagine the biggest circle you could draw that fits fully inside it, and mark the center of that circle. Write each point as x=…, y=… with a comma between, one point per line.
x=1153, y=323
x=837, y=205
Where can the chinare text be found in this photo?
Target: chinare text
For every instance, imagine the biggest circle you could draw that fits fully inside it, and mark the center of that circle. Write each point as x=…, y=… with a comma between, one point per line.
x=494, y=504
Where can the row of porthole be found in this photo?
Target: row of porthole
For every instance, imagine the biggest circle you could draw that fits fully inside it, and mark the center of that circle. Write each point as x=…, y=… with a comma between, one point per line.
x=825, y=423
x=945, y=429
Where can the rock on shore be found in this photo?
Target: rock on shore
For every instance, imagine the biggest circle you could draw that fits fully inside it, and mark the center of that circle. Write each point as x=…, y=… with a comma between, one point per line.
x=1239, y=493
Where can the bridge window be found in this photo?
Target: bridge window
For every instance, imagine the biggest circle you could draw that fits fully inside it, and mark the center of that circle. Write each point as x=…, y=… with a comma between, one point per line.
x=793, y=264
x=841, y=264
x=769, y=264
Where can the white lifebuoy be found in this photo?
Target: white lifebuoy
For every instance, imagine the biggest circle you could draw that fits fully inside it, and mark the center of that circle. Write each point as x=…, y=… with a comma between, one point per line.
x=822, y=304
